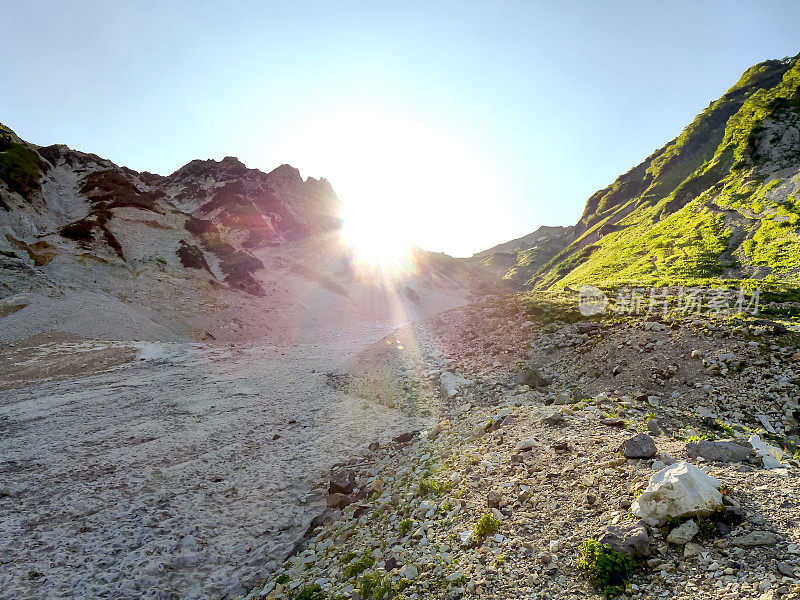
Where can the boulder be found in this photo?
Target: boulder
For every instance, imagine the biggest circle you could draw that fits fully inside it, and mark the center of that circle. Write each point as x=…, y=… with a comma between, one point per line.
x=409, y=572
x=727, y=451
x=639, y=446
x=342, y=482
x=681, y=490
x=532, y=378
x=439, y=428
x=452, y=383
x=528, y=444
x=628, y=538
x=563, y=398
x=683, y=533
x=691, y=549
x=403, y=438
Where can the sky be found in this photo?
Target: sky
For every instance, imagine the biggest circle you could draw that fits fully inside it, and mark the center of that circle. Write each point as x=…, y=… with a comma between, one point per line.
x=451, y=125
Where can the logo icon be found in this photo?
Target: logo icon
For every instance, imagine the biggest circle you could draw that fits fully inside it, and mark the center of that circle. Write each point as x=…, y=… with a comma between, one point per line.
x=592, y=301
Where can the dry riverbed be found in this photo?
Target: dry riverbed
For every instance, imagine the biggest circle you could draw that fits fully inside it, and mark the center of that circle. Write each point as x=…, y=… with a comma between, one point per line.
x=158, y=470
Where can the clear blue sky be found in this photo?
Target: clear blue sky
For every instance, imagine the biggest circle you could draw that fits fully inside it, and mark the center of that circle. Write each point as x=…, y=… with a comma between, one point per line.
x=531, y=106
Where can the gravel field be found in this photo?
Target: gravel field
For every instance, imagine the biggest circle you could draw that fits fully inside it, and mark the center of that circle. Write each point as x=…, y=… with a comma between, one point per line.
x=168, y=470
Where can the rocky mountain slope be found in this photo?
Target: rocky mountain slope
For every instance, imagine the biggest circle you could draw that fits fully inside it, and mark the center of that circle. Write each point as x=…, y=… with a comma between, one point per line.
x=636, y=458
x=720, y=201
x=213, y=251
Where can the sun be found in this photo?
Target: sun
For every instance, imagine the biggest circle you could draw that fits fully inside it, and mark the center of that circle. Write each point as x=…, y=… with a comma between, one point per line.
x=376, y=242
x=403, y=184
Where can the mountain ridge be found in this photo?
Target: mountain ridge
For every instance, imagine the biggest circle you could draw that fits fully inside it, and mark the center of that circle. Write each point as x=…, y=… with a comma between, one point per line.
x=214, y=250
x=660, y=221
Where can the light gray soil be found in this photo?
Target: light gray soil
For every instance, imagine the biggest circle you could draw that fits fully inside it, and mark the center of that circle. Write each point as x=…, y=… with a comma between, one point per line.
x=186, y=472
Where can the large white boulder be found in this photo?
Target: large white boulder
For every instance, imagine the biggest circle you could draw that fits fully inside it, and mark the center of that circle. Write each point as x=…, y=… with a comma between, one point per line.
x=680, y=490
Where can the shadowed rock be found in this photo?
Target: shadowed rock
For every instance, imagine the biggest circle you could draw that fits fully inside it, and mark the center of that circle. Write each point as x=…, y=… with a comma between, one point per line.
x=639, y=446
x=728, y=451
x=628, y=538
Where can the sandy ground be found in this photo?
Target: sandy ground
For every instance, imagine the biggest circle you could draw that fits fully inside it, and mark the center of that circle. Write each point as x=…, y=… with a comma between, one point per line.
x=168, y=470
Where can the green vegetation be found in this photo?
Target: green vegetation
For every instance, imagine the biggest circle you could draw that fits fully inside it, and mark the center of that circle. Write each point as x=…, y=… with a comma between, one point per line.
x=698, y=208
x=82, y=231
x=373, y=586
x=356, y=567
x=116, y=190
x=718, y=425
x=283, y=579
x=20, y=167
x=487, y=525
x=607, y=569
x=405, y=526
x=192, y=257
x=428, y=486
x=238, y=266
x=311, y=592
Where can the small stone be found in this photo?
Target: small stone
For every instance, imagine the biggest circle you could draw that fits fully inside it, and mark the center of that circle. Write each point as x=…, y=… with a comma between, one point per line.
x=691, y=549
x=555, y=418
x=493, y=499
x=409, y=572
x=756, y=538
x=628, y=538
x=684, y=533
x=785, y=568
x=639, y=446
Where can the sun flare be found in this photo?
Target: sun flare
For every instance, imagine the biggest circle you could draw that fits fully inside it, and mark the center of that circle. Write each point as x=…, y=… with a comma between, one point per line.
x=377, y=246
x=403, y=184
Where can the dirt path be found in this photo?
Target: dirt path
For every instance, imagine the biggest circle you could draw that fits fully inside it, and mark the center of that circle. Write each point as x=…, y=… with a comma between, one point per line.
x=185, y=473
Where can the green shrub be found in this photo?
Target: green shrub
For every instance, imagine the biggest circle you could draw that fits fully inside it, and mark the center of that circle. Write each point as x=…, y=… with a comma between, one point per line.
x=405, y=526
x=373, y=586
x=20, y=167
x=356, y=567
x=607, y=569
x=486, y=526
x=311, y=592
x=283, y=579
x=428, y=486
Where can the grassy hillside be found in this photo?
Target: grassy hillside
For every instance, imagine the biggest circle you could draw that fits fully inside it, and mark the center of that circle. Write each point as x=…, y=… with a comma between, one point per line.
x=722, y=200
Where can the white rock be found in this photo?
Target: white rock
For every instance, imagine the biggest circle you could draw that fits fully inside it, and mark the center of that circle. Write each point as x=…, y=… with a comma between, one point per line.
x=681, y=490
x=770, y=455
x=528, y=444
